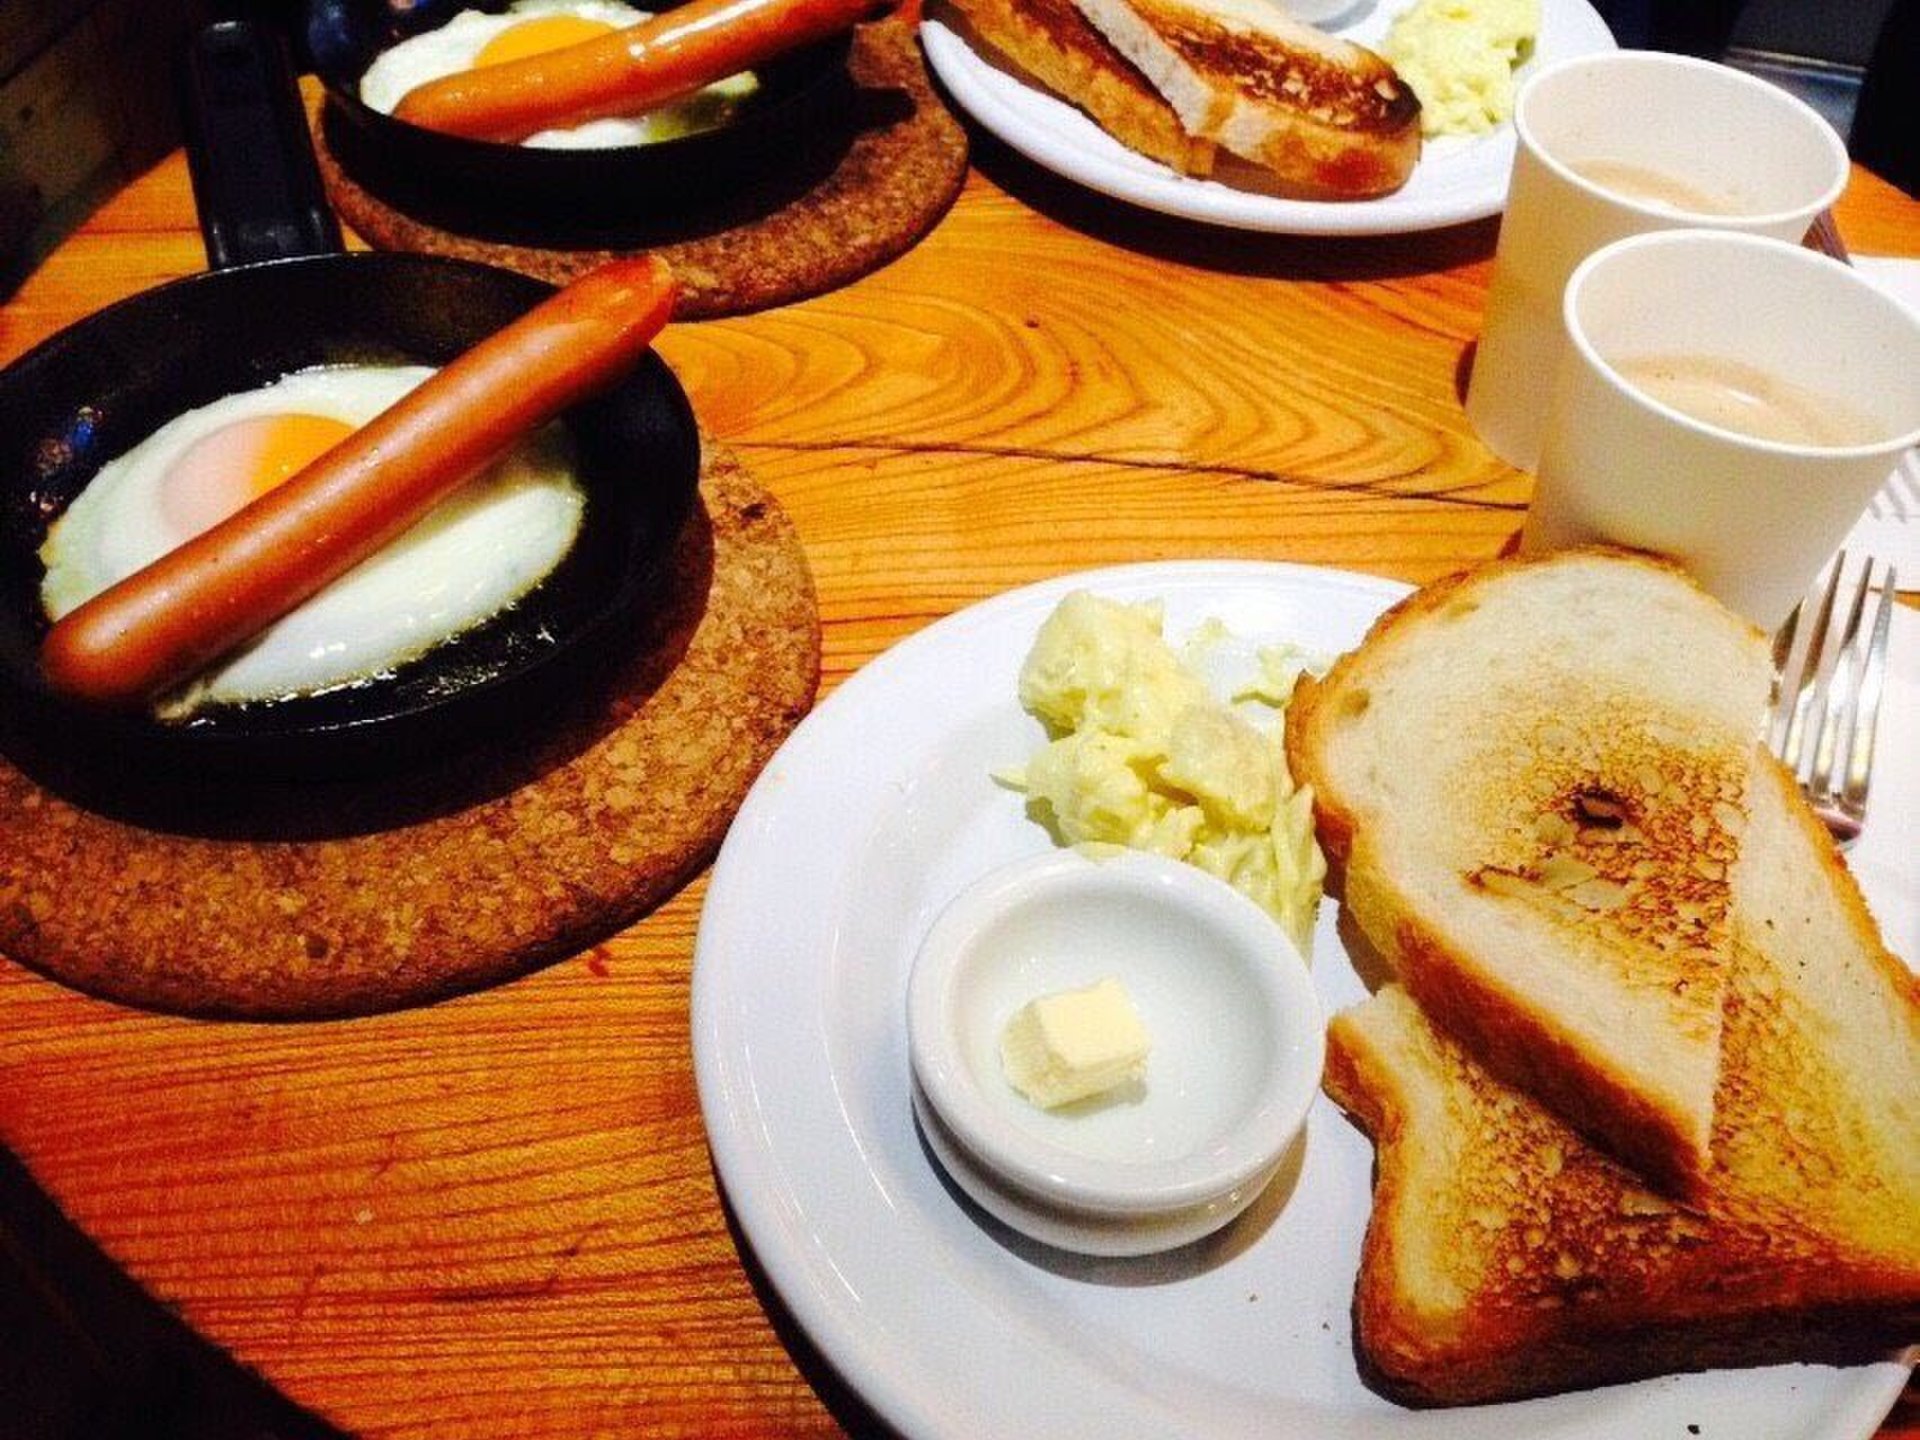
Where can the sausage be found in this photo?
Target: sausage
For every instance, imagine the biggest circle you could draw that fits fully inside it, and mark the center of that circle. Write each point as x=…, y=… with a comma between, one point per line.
x=167, y=622
x=635, y=70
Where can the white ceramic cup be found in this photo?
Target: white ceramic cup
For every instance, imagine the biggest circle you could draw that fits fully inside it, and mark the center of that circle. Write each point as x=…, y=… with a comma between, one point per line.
x=1753, y=519
x=1768, y=163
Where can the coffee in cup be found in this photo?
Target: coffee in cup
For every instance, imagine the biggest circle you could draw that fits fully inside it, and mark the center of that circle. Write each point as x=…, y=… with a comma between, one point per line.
x=1732, y=395
x=1649, y=185
x=1729, y=401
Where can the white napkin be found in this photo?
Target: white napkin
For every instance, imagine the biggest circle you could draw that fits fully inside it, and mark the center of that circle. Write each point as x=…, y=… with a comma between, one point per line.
x=1890, y=530
x=1886, y=857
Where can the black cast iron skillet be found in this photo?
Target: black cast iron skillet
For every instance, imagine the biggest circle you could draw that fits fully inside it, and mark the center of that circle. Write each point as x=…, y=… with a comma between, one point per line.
x=268, y=307
x=513, y=190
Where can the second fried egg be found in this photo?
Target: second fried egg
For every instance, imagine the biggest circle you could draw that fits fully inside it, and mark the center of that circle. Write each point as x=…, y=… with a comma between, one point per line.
x=473, y=39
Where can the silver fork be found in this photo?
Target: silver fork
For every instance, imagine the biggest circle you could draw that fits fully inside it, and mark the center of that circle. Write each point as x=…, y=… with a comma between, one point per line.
x=1827, y=681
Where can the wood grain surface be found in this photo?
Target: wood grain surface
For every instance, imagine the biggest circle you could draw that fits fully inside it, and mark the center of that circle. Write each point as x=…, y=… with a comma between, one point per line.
x=497, y=1216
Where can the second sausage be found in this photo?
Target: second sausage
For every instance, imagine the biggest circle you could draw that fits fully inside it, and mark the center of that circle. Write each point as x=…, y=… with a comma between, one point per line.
x=637, y=69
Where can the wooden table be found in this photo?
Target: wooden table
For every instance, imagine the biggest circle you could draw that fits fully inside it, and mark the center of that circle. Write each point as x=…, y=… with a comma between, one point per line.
x=497, y=1216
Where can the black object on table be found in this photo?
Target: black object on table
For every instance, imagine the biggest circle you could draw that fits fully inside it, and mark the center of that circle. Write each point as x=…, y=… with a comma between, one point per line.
x=92, y=1356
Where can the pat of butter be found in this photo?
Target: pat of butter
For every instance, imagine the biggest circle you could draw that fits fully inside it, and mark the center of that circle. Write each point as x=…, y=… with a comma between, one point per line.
x=1065, y=1047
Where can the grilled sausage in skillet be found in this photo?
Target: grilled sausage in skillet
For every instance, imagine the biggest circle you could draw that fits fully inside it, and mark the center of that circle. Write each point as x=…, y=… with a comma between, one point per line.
x=669, y=57
x=166, y=622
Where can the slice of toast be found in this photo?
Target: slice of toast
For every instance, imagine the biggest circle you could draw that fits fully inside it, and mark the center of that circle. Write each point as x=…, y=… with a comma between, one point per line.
x=1508, y=1257
x=1052, y=41
x=1530, y=784
x=1328, y=118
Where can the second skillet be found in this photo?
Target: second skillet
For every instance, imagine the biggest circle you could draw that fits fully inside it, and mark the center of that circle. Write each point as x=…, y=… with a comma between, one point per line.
x=556, y=190
x=280, y=298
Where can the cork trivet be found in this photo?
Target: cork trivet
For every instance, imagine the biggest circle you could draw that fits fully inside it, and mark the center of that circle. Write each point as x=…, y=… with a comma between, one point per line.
x=432, y=883
x=903, y=168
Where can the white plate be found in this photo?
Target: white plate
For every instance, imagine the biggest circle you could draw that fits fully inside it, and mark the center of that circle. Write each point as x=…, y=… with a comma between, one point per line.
x=1458, y=178
x=876, y=812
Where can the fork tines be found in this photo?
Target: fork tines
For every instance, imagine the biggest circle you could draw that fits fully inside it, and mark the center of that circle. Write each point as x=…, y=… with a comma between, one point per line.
x=1829, y=672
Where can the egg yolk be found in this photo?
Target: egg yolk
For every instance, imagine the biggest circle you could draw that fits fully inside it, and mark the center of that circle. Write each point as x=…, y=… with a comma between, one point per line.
x=238, y=463
x=537, y=37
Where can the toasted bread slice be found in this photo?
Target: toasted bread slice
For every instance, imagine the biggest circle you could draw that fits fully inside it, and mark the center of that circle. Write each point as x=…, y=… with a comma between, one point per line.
x=1052, y=41
x=1530, y=784
x=1508, y=1257
x=1328, y=118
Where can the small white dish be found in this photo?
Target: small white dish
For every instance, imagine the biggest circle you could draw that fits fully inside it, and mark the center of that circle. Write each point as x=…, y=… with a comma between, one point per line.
x=1237, y=1037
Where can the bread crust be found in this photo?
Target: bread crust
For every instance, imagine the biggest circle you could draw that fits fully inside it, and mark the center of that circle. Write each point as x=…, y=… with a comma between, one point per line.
x=1052, y=41
x=1311, y=714
x=1822, y=853
x=1532, y=1054
x=1327, y=118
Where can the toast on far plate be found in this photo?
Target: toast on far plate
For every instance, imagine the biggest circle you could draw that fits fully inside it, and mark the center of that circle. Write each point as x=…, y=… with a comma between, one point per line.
x=1506, y=1256
x=1328, y=118
x=1531, y=782
x=1053, y=42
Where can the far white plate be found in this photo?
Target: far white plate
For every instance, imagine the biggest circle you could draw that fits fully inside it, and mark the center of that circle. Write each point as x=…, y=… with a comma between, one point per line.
x=876, y=812
x=1457, y=179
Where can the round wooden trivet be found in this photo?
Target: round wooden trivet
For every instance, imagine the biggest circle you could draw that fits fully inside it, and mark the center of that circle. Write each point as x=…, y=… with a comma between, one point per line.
x=905, y=165
x=434, y=883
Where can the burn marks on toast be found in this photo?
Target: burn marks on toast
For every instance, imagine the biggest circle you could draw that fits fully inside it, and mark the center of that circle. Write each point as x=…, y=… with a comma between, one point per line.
x=1321, y=87
x=1623, y=828
x=1532, y=1220
x=1059, y=47
x=1059, y=23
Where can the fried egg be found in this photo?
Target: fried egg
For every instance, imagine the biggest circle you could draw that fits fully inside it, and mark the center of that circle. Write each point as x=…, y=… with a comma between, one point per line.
x=474, y=38
x=474, y=554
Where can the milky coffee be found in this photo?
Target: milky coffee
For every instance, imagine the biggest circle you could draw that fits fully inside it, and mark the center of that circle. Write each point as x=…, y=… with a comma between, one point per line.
x=1735, y=396
x=1648, y=186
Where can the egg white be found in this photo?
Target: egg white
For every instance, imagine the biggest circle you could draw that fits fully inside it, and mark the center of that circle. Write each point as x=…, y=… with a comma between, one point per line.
x=452, y=48
x=474, y=554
